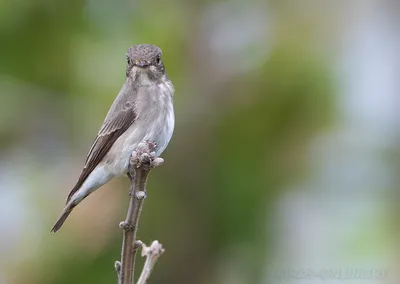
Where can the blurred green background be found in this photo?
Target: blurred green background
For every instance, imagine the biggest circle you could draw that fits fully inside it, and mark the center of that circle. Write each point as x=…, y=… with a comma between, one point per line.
x=284, y=161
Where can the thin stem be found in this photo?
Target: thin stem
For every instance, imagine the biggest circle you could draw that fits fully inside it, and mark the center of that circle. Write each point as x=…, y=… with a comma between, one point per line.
x=141, y=163
x=130, y=225
x=152, y=253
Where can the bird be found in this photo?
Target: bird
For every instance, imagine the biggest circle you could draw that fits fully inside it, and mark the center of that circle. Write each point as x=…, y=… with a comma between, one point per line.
x=142, y=111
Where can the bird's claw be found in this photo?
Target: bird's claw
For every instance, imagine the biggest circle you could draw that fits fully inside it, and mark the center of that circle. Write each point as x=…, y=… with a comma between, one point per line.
x=145, y=157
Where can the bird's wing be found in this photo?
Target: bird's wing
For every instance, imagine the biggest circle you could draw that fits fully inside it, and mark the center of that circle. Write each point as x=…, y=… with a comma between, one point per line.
x=120, y=116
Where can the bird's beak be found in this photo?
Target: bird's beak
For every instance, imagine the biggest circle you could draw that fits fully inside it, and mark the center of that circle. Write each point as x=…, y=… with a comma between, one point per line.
x=142, y=63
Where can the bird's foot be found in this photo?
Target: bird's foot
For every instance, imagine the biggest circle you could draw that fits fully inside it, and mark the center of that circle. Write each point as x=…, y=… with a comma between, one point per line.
x=145, y=157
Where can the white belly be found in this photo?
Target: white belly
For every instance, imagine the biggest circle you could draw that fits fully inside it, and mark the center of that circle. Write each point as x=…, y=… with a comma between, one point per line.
x=159, y=131
x=156, y=125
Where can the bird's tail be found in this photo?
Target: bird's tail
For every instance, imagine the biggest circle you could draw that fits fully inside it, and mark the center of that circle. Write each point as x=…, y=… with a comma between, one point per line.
x=75, y=197
x=64, y=215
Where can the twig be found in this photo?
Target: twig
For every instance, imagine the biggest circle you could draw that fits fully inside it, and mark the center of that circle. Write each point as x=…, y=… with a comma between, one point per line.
x=143, y=160
x=152, y=253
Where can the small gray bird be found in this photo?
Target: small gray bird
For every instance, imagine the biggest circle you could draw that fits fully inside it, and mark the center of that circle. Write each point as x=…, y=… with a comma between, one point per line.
x=142, y=111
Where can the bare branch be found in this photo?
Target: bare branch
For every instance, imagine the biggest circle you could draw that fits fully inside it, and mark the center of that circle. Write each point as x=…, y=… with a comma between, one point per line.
x=143, y=160
x=152, y=253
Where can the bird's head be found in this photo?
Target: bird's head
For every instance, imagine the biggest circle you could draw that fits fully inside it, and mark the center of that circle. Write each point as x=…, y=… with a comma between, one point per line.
x=145, y=59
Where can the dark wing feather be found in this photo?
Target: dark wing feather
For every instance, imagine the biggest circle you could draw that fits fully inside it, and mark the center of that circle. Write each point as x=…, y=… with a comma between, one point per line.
x=119, y=118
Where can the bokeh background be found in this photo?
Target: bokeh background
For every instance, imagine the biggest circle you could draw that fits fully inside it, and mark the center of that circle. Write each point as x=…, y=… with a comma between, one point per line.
x=284, y=165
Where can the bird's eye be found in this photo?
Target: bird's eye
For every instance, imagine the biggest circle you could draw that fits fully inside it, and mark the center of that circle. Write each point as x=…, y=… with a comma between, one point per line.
x=158, y=59
x=128, y=60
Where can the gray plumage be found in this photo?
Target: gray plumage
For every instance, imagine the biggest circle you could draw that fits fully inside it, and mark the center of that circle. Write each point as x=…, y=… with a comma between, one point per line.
x=142, y=111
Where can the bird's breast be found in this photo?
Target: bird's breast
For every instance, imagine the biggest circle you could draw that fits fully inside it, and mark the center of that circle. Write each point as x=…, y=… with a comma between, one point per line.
x=154, y=122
